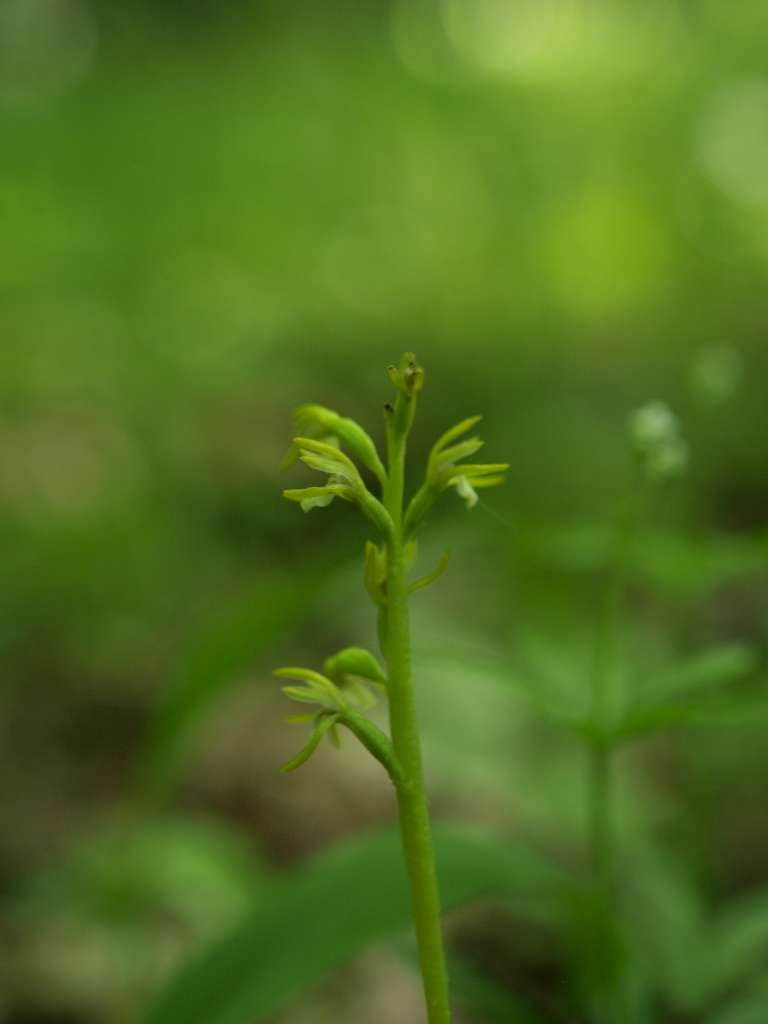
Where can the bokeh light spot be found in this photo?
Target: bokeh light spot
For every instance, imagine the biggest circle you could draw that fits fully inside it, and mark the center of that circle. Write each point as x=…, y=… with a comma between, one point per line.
x=46, y=46
x=606, y=253
x=733, y=140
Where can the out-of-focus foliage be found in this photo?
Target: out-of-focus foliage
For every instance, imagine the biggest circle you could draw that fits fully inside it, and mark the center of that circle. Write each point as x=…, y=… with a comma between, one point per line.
x=321, y=915
x=213, y=212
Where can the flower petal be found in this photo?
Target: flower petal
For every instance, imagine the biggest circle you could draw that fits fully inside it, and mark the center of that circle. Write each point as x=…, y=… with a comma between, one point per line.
x=454, y=432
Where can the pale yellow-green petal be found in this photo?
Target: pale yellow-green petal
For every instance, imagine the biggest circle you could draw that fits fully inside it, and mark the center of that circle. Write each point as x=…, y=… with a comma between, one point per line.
x=454, y=432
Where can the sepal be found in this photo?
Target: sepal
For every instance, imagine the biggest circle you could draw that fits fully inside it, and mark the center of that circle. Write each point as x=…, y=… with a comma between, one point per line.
x=453, y=432
x=319, y=497
x=323, y=424
x=316, y=688
x=354, y=661
x=324, y=723
x=349, y=666
x=327, y=458
x=342, y=473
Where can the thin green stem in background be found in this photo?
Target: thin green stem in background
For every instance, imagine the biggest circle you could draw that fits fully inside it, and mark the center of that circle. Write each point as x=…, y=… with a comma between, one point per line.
x=601, y=825
x=605, y=672
x=411, y=796
x=600, y=814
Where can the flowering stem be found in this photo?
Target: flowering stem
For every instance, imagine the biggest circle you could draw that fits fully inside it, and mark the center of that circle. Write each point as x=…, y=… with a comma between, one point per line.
x=385, y=577
x=411, y=796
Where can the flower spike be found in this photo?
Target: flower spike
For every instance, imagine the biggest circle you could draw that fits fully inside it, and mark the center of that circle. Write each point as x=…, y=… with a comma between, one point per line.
x=324, y=723
x=338, y=695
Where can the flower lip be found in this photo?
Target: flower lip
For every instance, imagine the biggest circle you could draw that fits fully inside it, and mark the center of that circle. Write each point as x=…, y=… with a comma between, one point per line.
x=465, y=490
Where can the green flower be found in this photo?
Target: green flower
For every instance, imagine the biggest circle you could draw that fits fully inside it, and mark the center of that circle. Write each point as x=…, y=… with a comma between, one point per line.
x=332, y=708
x=445, y=469
x=321, y=424
x=344, y=481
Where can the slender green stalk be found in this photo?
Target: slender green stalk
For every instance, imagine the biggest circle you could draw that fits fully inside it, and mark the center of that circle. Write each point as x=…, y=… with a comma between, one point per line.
x=601, y=813
x=604, y=672
x=600, y=752
x=606, y=985
x=660, y=454
x=604, y=954
x=334, y=692
x=411, y=796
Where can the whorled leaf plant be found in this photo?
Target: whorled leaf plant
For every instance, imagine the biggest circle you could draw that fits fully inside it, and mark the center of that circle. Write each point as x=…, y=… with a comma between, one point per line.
x=340, y=694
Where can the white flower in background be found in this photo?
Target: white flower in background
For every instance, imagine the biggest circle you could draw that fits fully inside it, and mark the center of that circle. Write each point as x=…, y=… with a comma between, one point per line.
x=656, y=439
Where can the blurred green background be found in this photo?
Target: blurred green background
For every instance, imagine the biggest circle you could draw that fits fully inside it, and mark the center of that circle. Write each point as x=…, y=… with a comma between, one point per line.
x=213, y=212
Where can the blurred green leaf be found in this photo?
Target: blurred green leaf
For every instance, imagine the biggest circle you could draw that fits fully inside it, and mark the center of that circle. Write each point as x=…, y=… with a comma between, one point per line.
x=165, y=869
x=322, y=914
x=225, y=649
x=667, y=560
x=739, y=946
x=750, y=1008
x=485, y=998
x=668, y=918
x=659, y=707
x=744, y=712
x=708, y=712
x=696, y=957
x=714, y=667
x=545, y=696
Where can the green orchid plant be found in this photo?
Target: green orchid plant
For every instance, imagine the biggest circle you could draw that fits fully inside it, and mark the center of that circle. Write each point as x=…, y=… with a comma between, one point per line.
x=340, y=694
